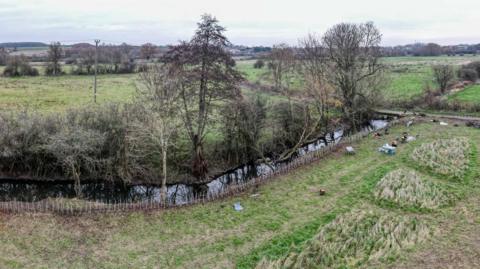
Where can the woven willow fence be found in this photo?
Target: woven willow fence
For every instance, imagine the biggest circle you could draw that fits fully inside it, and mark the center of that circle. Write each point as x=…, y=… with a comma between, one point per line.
x=66, y=207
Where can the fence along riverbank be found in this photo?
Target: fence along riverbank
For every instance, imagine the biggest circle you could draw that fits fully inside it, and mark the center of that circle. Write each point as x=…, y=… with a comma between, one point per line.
x=67, y=207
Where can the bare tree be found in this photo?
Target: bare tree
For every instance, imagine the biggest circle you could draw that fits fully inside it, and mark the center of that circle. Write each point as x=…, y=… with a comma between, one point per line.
x=147, y=51
x=159, y=97
x=18, y=65
x=85, y=61
x=444, y=74
x=431, y=49
x=281, y=64
x=3, y=56
x=313, y=61
x=243, y=122
x=125, y=49
x=55, y=52
x=76, y=150
x=353, y=53
x=207, y=75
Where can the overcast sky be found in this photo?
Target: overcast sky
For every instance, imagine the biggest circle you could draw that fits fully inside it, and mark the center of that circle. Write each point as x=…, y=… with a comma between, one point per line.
x=249, y=22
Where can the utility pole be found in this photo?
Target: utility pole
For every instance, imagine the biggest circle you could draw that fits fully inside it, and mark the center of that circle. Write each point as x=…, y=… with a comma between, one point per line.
x=96, y=67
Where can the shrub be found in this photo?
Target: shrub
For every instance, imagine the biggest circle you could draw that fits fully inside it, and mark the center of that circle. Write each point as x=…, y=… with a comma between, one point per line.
x=443, y=75
x=20, y=144
x=289, y=119
x=52, y=70
x=468, y=74
x=142, y=68
x=19, y=66
x=77, y=150
x=259, y=64
x=475, y=66
x=353, y=239
x=3, y=56
x=80, y=144
x=126, y=67
x=444, y=156
x=407, y=188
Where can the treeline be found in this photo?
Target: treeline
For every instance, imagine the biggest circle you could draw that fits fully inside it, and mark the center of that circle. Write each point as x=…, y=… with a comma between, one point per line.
x=15, y=45
x=111, y=59
x=191, y=118
x=430, y=49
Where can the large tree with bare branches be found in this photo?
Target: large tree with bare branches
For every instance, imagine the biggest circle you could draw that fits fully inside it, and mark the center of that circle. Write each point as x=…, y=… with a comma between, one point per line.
x=147, y=51
x=281, y=65
x=158, y=95
x=313, y=68
x=207, y=75
x=353, y=54
x=54, y=68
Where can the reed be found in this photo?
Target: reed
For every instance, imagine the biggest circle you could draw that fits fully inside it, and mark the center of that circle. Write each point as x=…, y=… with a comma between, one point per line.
x=444, y=156
x=354, y=239
x=407, y=188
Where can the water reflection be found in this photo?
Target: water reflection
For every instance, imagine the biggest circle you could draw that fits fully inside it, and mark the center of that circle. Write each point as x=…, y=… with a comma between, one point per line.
x=177, y=194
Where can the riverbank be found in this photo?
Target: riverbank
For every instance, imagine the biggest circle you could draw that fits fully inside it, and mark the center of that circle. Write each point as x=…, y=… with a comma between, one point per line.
x=276, y=216
x=147, y=196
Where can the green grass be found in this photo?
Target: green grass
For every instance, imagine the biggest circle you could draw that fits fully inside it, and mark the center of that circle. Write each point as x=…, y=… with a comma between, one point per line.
x=407, y=82
x=470, y=94
x=261, y=76
x=250, y=73
x=430, y=60
x=286, y=213
x=407, y=77
x=59, y=93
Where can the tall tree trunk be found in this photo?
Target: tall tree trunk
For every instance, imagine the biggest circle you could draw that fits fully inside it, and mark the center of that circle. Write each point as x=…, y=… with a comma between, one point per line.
x=163, y=194
x=199, y=165
x=76, y=179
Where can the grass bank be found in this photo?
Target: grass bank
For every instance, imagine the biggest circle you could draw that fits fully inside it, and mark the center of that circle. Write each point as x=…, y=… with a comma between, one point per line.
x=279, y=219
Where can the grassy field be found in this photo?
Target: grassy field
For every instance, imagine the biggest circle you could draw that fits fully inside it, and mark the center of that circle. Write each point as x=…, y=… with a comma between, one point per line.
x=406, y=78
x=277, y=221
x=404, y=83
x=59, y=93
x=471, y=94
x=261, y=76
x=250, y=73
x=428, y=60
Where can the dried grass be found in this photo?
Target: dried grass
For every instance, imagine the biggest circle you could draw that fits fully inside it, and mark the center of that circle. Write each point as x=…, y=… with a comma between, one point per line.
x=407, y=188
x=73, y=203
x=353, y=239
x=444, y=156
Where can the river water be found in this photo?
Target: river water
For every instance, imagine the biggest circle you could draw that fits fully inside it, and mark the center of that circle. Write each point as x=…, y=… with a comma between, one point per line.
x=32, y=191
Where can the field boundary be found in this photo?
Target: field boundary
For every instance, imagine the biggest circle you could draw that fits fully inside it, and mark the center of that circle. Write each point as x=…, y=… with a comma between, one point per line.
x=397, y=113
